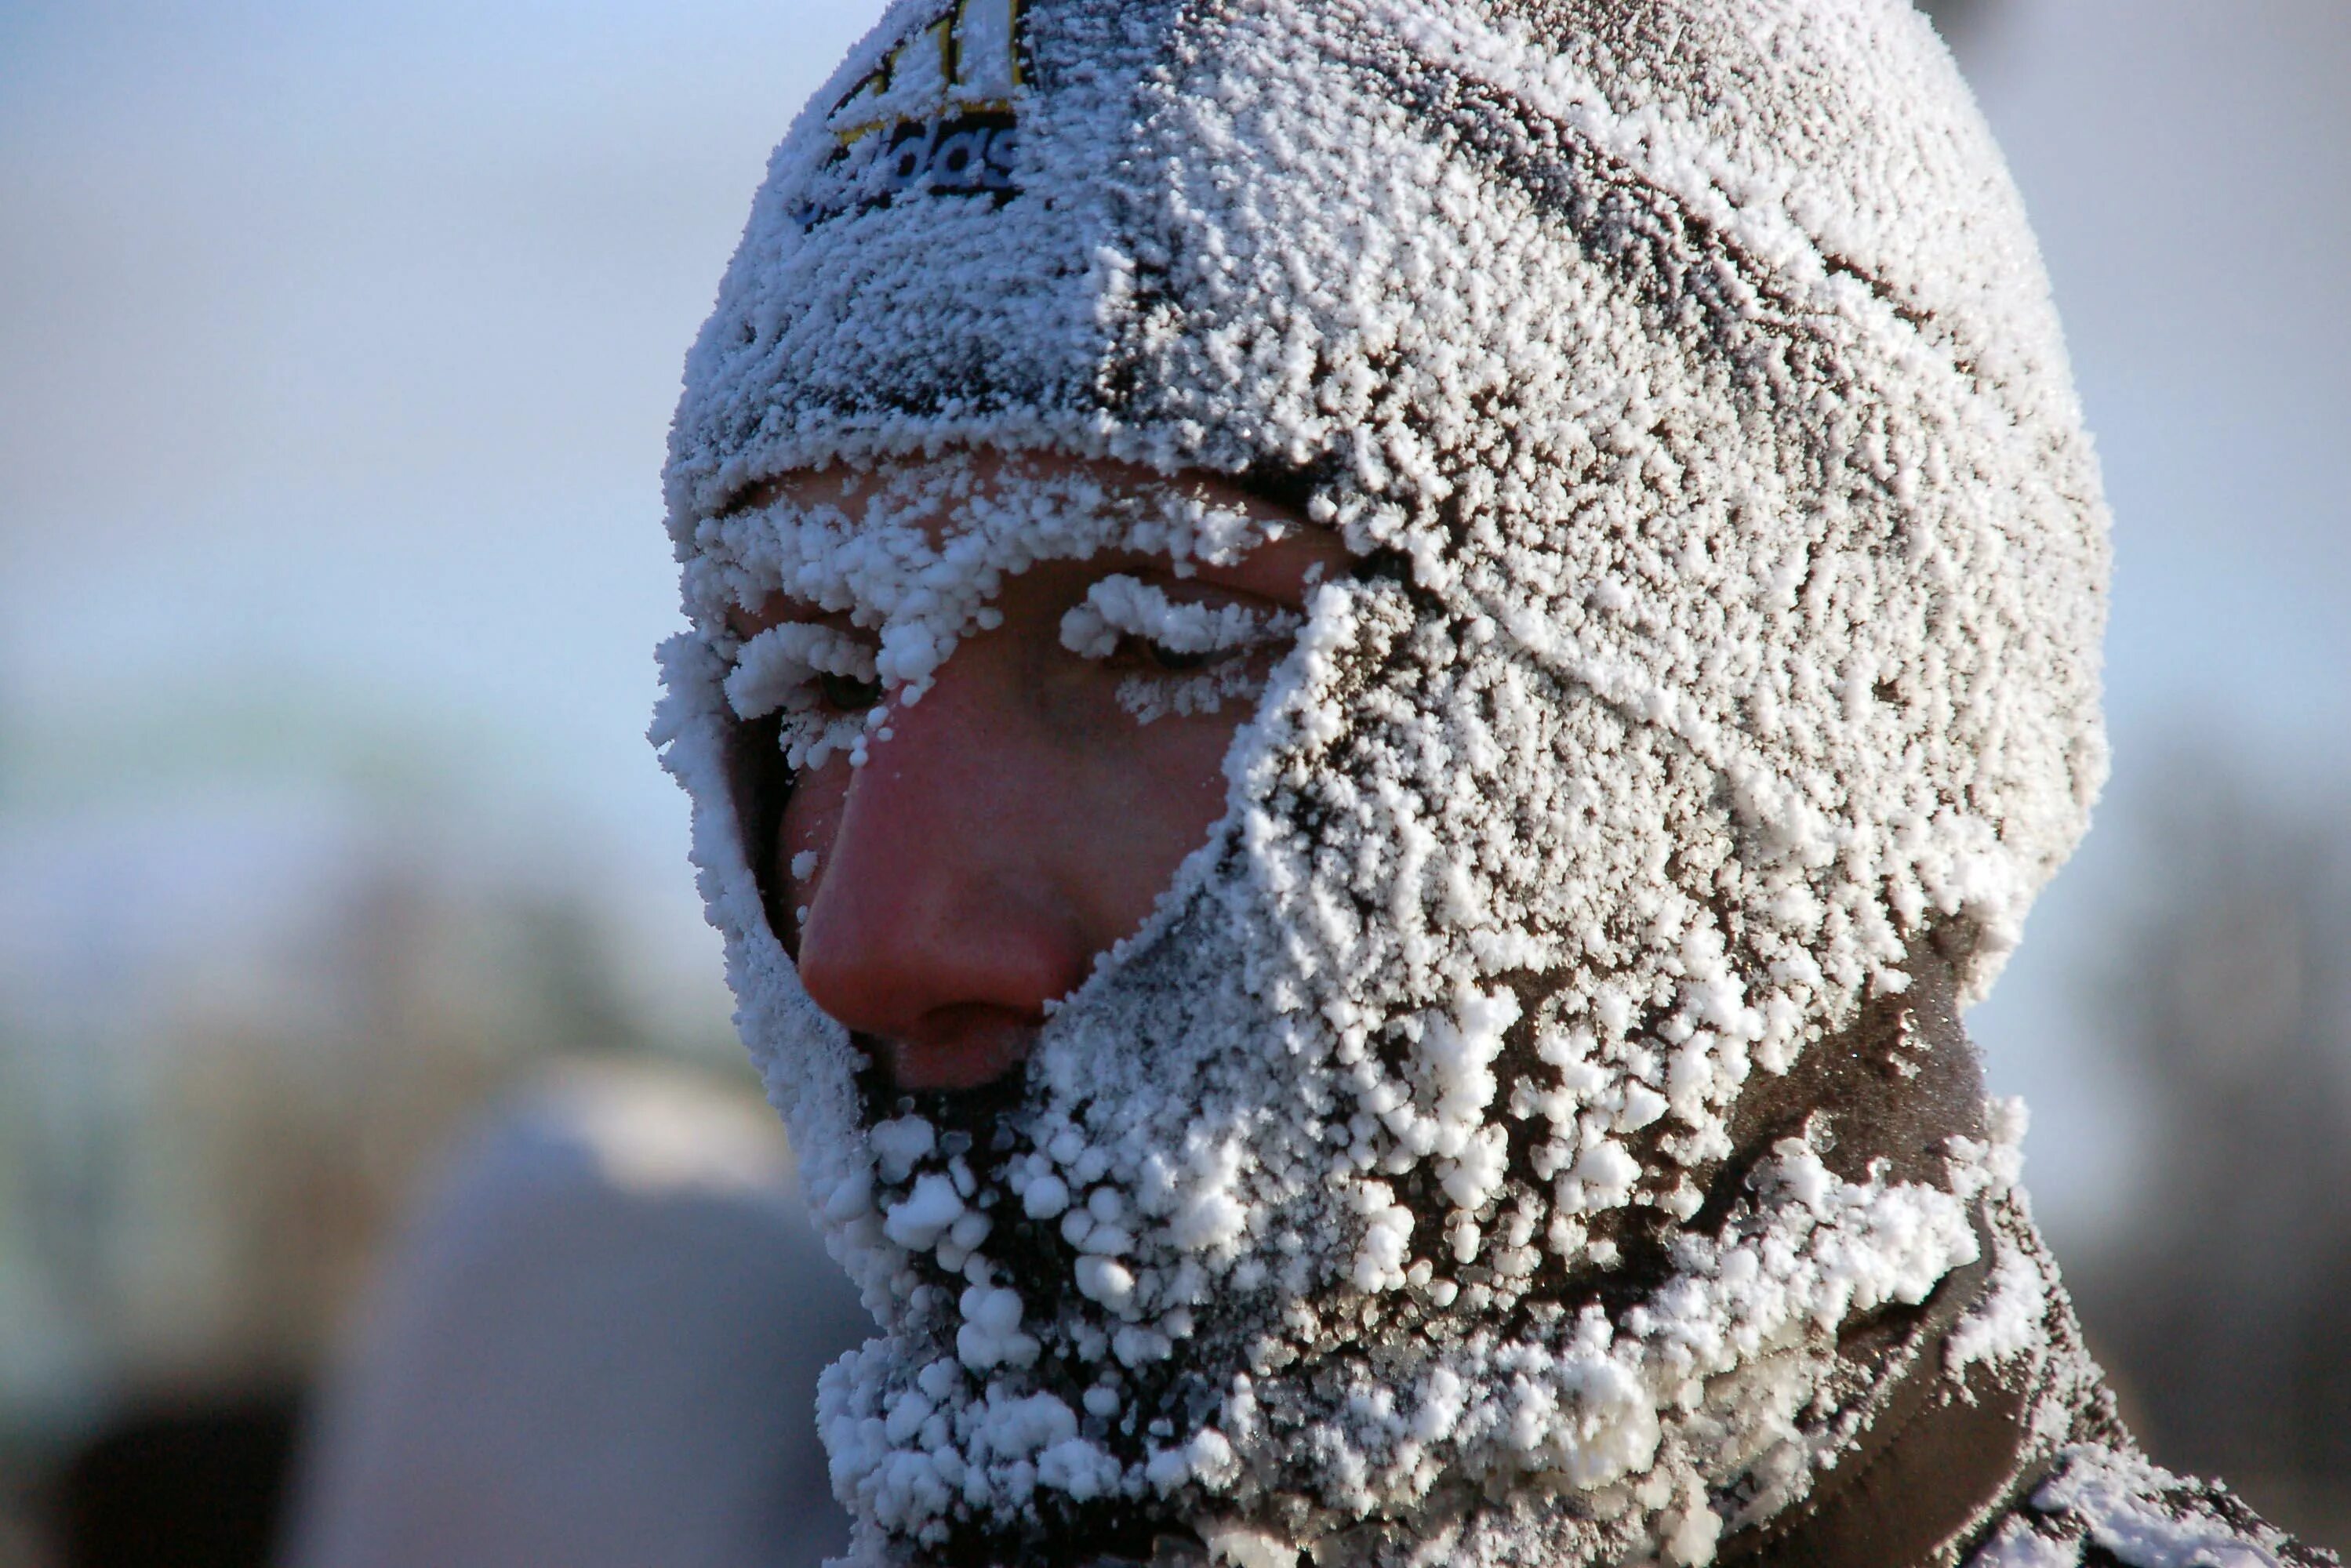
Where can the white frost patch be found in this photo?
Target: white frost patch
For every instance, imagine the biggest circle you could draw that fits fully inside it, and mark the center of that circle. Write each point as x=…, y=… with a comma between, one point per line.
x=1106, y=1280
x=2021, y=1547
x=990, y=1335
x=2008, y=1320
x=1245, y=1546
x=1077, y=1468
x=926, y=1215
x=2119, y=1500
x=897, y=1145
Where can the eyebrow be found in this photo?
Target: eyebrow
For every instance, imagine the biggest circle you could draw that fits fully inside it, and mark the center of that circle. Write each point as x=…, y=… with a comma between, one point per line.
x=845, y=484
x=1249, y=575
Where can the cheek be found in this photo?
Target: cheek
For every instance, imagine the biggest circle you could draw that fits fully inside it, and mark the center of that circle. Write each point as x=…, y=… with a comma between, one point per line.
x=1124, y=782
x=1156, y=794
x=1187, y=759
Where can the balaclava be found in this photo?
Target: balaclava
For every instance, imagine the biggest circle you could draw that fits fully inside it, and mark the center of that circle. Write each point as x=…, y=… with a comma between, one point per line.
x=1534, y=1128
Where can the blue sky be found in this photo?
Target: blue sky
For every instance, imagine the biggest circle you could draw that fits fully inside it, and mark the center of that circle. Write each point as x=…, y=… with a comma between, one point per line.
x=341, y=341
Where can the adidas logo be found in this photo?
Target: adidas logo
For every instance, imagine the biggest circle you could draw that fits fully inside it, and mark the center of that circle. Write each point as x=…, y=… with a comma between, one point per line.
x=935, y=118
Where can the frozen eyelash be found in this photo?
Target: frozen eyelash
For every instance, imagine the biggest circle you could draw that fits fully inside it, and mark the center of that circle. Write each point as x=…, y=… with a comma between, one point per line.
x=1148, y=698
x=776, y=671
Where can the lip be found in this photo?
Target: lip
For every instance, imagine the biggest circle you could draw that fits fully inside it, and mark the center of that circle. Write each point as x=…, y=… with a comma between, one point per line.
x=961, y=1053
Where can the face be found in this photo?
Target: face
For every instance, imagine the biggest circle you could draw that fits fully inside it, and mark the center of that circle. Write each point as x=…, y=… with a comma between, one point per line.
x=1020, y=814
x=1365, y=1172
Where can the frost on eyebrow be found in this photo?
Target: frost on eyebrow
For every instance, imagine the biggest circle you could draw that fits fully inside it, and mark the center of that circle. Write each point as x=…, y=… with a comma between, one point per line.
x=883, y=559
x=1120, y=606
x=773, y=669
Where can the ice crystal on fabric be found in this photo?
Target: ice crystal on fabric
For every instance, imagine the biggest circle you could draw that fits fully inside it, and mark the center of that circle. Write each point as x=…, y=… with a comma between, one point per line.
x=1728, y=575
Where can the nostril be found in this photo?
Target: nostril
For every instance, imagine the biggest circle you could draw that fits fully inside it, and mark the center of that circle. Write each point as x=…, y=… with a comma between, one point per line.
x=947, y=957
x=967, y=1046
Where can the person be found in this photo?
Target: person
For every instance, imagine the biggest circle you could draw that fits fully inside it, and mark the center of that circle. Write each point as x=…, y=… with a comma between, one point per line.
x=1367, y=681
x=595, y=1345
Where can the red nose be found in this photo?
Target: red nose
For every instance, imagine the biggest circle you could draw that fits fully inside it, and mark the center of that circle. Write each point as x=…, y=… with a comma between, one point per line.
x=936, y=923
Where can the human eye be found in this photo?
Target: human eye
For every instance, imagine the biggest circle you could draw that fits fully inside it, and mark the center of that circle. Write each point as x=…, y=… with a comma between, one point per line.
x=845, y=693
x=821, y=679
x=1180, y=656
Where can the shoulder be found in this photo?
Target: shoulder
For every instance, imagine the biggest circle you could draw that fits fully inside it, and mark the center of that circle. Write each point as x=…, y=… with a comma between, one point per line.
x=2104, y=1506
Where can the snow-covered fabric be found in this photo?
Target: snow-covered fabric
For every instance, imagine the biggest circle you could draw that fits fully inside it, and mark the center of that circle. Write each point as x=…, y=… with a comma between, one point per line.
x=2106, y=1505
x=1730, y=570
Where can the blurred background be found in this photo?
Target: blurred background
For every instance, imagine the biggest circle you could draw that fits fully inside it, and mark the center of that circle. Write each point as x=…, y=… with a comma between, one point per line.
x=338, y=349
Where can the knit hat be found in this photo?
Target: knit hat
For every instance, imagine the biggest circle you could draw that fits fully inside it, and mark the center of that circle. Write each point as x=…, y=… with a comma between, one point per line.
x=1722, y=647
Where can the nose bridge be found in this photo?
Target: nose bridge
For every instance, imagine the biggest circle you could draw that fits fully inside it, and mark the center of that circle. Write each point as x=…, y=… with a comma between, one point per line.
x=912, y=822
x=938, y=895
